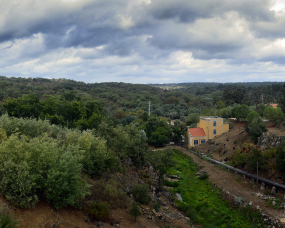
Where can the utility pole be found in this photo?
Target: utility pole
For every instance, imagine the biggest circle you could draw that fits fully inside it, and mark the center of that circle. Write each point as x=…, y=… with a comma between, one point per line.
x=262, y=98
x=149, y=108
x=257, y=176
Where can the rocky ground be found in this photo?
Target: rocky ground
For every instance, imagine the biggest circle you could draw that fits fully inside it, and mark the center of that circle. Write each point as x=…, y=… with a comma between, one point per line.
x=45, y=216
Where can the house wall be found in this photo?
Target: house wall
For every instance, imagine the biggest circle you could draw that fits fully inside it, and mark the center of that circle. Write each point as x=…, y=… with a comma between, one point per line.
x=208, y=126
x=191, y=140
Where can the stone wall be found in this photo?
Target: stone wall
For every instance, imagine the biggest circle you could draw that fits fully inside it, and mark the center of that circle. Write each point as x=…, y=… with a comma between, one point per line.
x=267, y=139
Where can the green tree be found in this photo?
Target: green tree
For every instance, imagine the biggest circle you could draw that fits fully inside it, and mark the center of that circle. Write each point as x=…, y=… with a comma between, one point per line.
x=220, y=104
x=178, y=130
x=280, y=158
x=192, y=118
x=256, y=128
x=252, y=115
x=161, y=160
x=272, y=114
x=254, y=157
x=241, y=112
x=260, y=109
x=135, y=211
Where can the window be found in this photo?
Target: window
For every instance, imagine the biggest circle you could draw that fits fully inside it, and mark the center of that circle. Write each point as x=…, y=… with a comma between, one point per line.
x=215, y=123
x=215, y=132
x=195, y=142
x=203, y=140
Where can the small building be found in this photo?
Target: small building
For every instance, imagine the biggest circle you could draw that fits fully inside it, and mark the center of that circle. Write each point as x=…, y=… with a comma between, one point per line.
x=213, y=125
x=273, y=105
x=207, y=128
x=194, y=137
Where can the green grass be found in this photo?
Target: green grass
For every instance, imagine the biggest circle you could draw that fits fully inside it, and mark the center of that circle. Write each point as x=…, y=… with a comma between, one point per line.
x=203, y=204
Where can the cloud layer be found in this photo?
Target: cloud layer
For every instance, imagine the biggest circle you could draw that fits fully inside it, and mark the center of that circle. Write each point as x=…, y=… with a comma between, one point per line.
x=144, y=41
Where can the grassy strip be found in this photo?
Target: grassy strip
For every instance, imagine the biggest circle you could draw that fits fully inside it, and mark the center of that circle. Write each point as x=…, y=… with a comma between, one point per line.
x=203, y=204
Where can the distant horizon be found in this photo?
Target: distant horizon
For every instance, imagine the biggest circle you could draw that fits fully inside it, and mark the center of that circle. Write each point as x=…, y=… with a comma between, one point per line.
x=169, y=83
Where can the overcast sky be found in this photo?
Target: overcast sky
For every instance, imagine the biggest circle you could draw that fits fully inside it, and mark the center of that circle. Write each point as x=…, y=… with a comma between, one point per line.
x=144, y=41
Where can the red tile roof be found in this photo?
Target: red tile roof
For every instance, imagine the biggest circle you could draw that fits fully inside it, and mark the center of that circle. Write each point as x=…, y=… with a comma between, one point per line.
x=197, y=132
x=273, y=105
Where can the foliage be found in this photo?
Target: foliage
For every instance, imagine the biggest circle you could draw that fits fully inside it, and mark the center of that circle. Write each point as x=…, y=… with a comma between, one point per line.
x=255, y=128
x=32, y=167
x=98, y=210
x=157, y=206
x=161, y=160
x=203, y=204
x=192, y=118
x=140, y=193
x=254, y=157
x=273, y=114
x=277, y=205
x=73, y=112
x=269, y=154
x=241, y=112
x=178, y=130
x=252, y=115
x=280, y=158
x=158, y=131
x=108, y=190
x=239, y=159
x=220, y=104
x=7, y=220
x=260, y=109
x=135, y=211
x=203, y=177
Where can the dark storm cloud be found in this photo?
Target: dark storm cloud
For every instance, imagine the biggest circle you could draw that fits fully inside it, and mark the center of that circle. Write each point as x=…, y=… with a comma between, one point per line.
x=146, y=34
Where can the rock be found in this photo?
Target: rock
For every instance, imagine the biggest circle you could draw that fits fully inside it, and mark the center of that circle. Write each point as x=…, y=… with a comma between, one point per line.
x=100, y=224
x=273, y=203
x=201, y=172
x=174, y=177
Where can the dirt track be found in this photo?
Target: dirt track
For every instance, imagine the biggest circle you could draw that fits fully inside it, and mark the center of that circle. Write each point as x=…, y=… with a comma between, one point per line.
x=239, y=187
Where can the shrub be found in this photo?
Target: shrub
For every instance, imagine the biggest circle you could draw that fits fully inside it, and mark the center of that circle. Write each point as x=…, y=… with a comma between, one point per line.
x=203, y=177
x=135, y=211
x=172, y=184
x=254, y=157
x=7, y=220
x=157, y=206
x=239, y=159
x=192, y=214
x=109, y=191
x=98, y=210
x=29, y=168
x=269, y=154
x=140, y=193
x=280, y=158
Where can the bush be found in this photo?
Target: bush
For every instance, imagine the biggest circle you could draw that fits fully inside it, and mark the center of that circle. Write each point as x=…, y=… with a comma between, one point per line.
x=280, y=158
x=109, y=191
x=135, y=211
x=98, y=210
x=140, y=194
x=239, y=159
x=203, y=177
x=269, y=154
x=255, y=128
x=192, y=214
x=157, y=206
x=7, y=220
x=171, y=184
x=254, y=157
x=30, y=168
